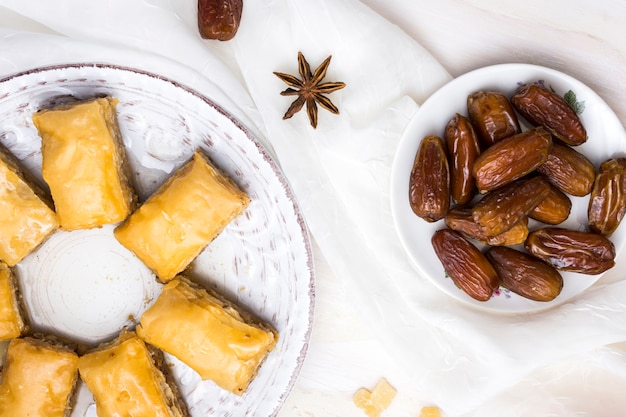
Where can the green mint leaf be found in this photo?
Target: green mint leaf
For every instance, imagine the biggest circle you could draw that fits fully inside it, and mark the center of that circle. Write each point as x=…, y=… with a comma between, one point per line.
x=570, y=98
x=580, y=107
x=577, y=106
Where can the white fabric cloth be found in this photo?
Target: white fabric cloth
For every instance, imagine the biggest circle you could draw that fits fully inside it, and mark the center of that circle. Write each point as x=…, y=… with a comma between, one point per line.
x=459, y=356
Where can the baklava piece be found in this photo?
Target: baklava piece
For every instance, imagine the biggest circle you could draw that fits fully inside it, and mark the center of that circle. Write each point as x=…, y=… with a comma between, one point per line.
x=38, y=379
x=84, y=163
x=126, y=378
x=218, y=340
x=27, y=216
x=11, y=321
x=182, y=217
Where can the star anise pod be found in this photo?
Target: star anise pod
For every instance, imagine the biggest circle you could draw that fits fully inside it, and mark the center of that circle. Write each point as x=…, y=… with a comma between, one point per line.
x=309, y=89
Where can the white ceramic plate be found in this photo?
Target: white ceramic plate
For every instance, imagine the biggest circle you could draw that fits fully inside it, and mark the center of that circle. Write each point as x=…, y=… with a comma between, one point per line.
x=606, y=139
x=85, y=286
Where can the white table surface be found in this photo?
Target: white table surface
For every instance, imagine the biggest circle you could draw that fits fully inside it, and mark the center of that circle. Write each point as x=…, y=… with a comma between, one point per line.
x=582, y=38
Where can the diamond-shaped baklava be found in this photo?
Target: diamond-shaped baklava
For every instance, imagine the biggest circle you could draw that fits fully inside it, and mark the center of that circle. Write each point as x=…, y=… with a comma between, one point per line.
x=182, y=217
x=217, y=339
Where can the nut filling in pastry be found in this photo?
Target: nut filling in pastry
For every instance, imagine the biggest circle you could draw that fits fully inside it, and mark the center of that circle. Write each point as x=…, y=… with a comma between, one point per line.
x=84, y=163
x=212, y=336
x=126, y=379
x=38, y=379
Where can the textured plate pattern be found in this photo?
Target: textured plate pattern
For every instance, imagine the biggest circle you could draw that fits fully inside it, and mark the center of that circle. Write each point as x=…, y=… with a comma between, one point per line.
x=262, y=260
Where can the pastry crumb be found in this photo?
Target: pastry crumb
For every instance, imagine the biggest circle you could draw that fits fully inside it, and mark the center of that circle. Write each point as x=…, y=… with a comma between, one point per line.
x=376, y=401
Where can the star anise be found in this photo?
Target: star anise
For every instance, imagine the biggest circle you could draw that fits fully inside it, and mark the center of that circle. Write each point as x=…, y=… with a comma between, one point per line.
x=309, y=90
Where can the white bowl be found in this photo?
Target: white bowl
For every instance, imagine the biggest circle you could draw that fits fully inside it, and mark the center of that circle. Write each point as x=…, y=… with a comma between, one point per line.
x=606, y=139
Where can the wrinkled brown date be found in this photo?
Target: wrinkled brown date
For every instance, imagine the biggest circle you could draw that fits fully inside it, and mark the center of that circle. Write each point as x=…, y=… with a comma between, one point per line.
x=542, y=107
x=569, y=170
x=499, y=210
x=572, y=250
x=463, y=149
x=553, y=209
x=511, y=158
x=607, y=203
x=429, y=189
x=466, y=265
x=525, y=275
x=462, y=220
x=219, y=19
x=492, y=115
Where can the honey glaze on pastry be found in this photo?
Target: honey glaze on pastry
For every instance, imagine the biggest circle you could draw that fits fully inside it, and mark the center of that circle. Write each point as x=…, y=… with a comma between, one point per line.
x=212, y=336
x=84, y=164
x=11, y=322
x=182, y=217
x=38, y=379
x=125, y=379
x=27, y=217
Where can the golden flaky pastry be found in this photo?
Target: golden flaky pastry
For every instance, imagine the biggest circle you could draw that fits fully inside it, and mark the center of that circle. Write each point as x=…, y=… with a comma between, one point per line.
x=84, y=163
x=38, y=379
x=27, y=216
x=182, y=217
x=11, y=321
x=219, y=341
x=125, y=379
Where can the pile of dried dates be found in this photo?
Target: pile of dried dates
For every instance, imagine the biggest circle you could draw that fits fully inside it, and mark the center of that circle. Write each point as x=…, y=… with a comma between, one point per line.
x=486, y=178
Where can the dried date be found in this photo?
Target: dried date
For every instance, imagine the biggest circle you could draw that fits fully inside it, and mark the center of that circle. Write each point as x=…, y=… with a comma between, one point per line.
x=525, y=275
x=499, y=210
x=429, y=184
x=492, y=115
x=463, y=149
x=607, y=203
x=543, y=107
x=462, y=220
x=466, y=265
x=569, y=170
x=219, y=19
x=511, y=158
x=554, y=209
x=572, y=250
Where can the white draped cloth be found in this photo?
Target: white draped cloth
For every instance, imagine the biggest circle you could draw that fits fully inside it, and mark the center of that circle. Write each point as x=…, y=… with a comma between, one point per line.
x=466, y=361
